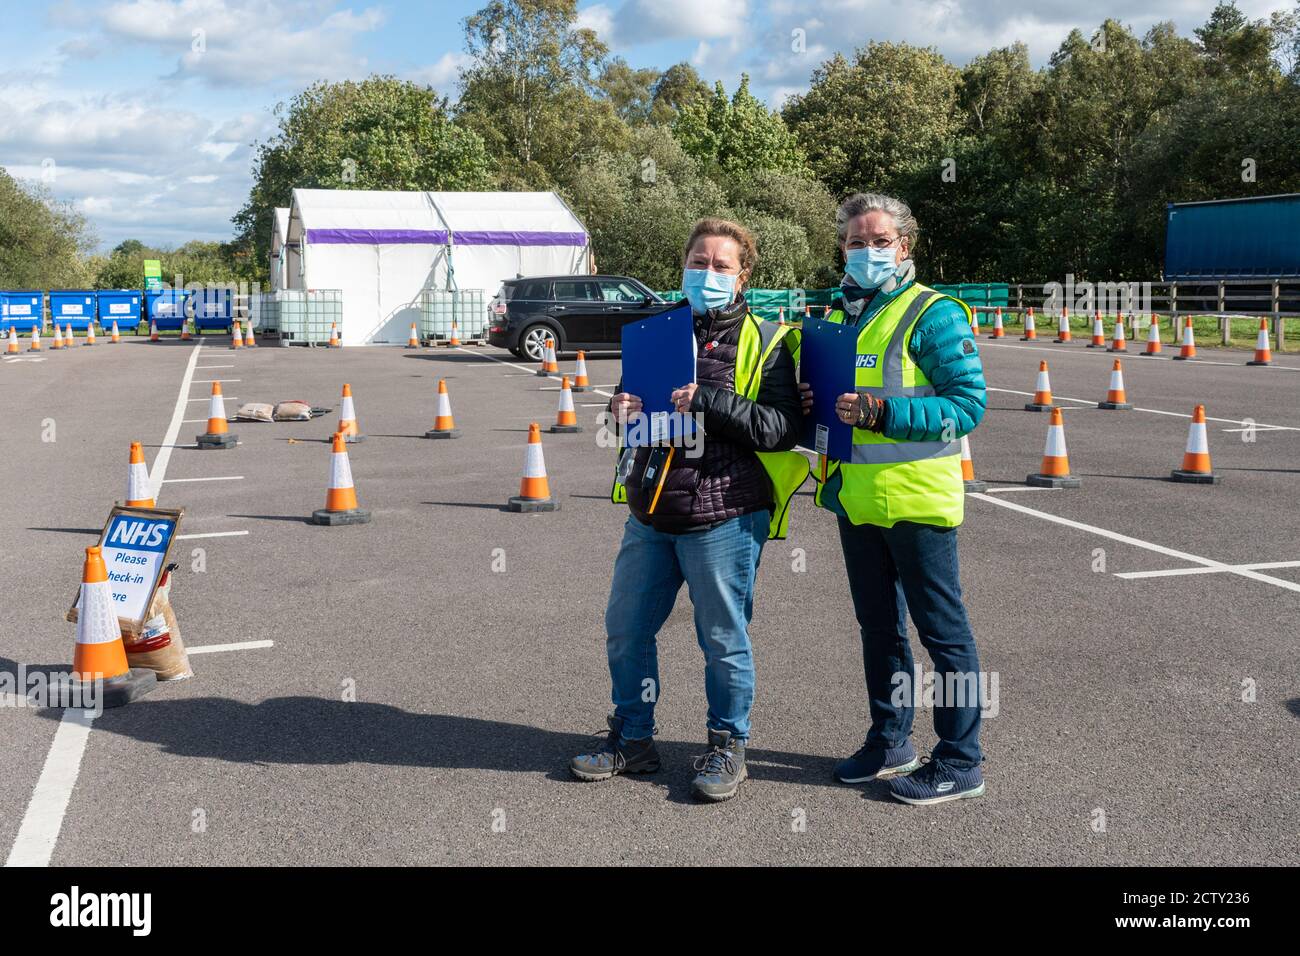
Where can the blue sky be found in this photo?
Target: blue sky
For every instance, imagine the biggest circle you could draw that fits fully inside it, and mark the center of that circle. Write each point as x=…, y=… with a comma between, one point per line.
x=143, y=112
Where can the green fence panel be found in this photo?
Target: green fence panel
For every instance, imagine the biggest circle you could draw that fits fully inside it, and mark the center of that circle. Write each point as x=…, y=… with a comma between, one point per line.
x=791, y=304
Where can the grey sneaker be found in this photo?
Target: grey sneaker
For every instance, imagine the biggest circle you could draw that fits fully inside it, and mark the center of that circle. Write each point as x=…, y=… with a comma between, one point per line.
x=721, y=769
x=614, y=755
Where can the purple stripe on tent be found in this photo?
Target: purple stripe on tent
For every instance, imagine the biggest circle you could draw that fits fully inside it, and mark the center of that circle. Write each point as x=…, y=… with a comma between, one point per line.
x=378, y=236
x=515, y=238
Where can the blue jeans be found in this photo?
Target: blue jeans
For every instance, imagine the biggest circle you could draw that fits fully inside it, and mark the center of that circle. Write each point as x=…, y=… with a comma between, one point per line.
x=718, y=566
x=913, y=568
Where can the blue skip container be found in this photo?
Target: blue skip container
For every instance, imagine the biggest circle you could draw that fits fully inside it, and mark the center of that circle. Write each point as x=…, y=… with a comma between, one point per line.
x=23, y=310
x=76, y=309
x=167, y=309
x=122, y=306
x=213, y=309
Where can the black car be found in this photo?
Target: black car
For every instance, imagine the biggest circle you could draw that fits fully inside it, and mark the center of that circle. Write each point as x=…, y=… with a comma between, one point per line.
x=579, y=312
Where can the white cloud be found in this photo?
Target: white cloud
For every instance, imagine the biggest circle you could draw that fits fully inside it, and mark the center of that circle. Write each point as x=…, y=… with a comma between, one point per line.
x=442, y=74
x=650, y=21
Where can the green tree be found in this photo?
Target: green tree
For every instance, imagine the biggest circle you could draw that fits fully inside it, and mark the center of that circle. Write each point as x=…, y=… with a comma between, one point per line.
x=43, y=242
x=630, y=91
x=380, y=133
x=679, y=86
x=739, y=133
x=531, y=91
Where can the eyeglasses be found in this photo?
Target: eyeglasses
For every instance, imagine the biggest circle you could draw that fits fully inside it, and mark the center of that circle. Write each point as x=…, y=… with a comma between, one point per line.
x=879, y=242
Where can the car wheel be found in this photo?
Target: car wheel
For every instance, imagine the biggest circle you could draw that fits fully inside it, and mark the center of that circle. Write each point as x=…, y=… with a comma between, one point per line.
x=533, y=341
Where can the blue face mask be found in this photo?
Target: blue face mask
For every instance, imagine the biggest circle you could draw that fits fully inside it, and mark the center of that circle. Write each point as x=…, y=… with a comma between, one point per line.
x=706, y=290
x=870, y=268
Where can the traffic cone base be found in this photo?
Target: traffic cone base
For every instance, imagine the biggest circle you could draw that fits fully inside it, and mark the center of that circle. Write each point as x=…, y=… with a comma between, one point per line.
x=1040, y=480
x=222, y=440
x=1194, y=477
x=1114, y=406
x=442, y=433
x=527, y=505
x=324, y=516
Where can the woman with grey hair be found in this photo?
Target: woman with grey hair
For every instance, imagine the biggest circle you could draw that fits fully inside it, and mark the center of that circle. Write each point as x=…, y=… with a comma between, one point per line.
x=919, y=388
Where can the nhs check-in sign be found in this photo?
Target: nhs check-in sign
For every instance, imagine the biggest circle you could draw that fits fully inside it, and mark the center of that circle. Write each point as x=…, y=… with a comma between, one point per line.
x=136, y=543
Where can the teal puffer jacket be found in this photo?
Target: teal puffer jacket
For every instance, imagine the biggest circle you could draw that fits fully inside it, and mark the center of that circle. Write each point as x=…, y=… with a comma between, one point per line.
x=943, y=348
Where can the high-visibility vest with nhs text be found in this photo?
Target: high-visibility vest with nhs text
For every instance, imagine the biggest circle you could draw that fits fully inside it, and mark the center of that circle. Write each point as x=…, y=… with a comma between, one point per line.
x=888, y=480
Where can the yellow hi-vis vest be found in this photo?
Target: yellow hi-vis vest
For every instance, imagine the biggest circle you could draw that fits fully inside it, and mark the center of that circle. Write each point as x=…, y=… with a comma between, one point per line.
x=887, y=480
x=786, y=470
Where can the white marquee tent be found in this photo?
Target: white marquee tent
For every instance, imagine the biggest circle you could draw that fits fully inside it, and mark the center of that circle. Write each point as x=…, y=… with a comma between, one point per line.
x=382, y=249
x=279, y=251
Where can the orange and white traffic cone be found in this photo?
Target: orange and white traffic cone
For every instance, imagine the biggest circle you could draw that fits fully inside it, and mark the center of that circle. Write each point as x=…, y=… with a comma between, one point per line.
x=334, y=336
x=1098, y=332
x=114, y=336
x=998, y=332
x=1055, y=470
x=139, y=493
x=975, y=321
x=1031, y=333
x=549, y=365
x=580, y=381
x=534, y=489
x=566, y=418
x=1042, y=392
x=1196, y=459
x=236, y=336
x=413, y=340
x=968, y=469
x=341, y=498
x=100, y=655
x=58, y=338
x=153, y=331
x=90, y=333
x=1115, y=397
x=68, y=338
x=444, y=426
x=218, y=434
x=36, y=339
x=780, y=315
x=1188, y=349
x=250, y=340
x=1153, y=338
x=185, y=330
x=348, y=427
x=1063, y=326
x=13, y=348
x=1120, y=342
x=1263, y=354
x=454, y=341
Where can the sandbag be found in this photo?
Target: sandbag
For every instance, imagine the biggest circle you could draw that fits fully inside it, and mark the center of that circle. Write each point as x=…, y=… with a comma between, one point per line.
x=292, y=412
x=158, y=647
x=255, y=412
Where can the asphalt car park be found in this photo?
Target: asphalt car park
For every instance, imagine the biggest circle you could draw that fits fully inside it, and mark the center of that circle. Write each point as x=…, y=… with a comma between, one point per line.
x=410, y=691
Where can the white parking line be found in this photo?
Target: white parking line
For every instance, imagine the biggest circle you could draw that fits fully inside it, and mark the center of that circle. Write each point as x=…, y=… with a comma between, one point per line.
x=534, y=374
x=170, y=481
x=240, y=646
x=1013, y=488
x=1260, y=426
x=39, y=830
x=1069, y=350
x=202, y=368
x=159, y=470
x=1139, y=543
x=209, y=381
x=208, y=398
x=210, y=534
x=1175, y=572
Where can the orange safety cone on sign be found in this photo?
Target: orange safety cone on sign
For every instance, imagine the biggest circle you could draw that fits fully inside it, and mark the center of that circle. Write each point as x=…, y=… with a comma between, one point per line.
x=969, y=481
x=1063, y=326
x=566, y=418
x=348, y=427
x=114, y=336
x=1098, y=332
x=444, y=426
x=998, y=332
x=1042, y=392
x=218, y=434
x=1196, y=459
x=1153, y=338
x=454, y=341
x=1263, y=354
x=100, y=655
x=580, y=381
x=139, y=493
x=1188, y=349
x=413, y=340
x=1055, y=470
x=334, y=336
x=1120, y=342
x=1115, y=397
x=1031, y=333
x=341, y=498
x=13, y=348
x=534, y=489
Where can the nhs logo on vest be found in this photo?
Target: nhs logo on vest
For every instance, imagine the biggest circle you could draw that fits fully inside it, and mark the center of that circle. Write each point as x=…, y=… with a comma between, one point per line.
x=138, y=534
x=867, y=361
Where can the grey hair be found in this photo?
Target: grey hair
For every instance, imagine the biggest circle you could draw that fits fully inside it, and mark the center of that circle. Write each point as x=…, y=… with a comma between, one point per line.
x=860, y=203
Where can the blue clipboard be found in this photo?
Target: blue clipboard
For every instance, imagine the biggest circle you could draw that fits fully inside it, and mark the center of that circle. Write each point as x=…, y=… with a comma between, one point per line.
x=827, y=362
x=658, y=358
